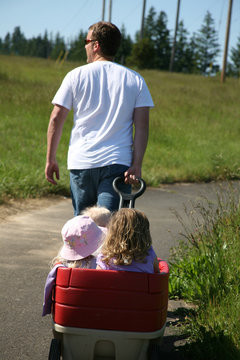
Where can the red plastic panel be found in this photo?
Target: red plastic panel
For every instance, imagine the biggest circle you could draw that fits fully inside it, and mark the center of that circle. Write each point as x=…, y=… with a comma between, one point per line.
x=158, y=283
x=109, y=319
x=105, y=279
x=108, y=298
x=111, y=300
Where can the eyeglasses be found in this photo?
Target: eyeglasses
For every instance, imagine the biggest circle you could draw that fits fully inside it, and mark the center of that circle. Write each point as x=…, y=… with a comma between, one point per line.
x=87, y=41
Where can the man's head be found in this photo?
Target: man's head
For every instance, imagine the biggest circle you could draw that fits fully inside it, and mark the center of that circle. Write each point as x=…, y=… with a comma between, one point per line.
x=107, y=36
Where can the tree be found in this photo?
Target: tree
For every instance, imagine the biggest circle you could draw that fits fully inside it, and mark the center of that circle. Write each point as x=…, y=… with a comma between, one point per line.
x=6, y=45
x=150, y=24
x=125, y=47
x=59, y=47
x=162, y=42
x=143, y=54
x=192, y=58
x=158, y=35
x=207, y=43
x=18, y=42
x=235, y=57
x=180, y=48
x=185, y=54
x=77, y=50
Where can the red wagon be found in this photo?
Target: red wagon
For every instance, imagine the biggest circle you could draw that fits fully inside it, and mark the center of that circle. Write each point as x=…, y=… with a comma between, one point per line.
x=103, y=314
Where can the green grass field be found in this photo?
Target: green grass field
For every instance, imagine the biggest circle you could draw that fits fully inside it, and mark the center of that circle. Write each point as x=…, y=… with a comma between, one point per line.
x=194, y=136
x=194, y=131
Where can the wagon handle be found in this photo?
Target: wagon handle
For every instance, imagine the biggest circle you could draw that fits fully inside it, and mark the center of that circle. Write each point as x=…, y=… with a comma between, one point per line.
x=128, y=200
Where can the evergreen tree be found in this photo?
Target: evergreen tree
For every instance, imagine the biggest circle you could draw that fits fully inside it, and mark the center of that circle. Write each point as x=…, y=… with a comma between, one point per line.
x=18, y=42
x=158, y=36
x=46, y=46
x=150, y=25
x=180, y=60
x=77, y=50
x=39, y=47
x=162, y=42
x=6, y=46
x=192, y=58
x=207, y=43
x=235, y=57
x=125, y=48
x=143, y=55
x=185, y=56
x=58, y=48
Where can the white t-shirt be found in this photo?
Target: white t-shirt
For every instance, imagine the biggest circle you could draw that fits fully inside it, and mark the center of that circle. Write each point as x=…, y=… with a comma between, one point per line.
x=103, y=96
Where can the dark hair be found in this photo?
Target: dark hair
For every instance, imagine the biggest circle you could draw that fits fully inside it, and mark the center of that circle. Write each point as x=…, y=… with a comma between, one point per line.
x=108, y=37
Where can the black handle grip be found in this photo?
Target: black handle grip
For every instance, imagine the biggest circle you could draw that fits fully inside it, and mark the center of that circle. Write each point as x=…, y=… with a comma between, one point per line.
x=128, y=200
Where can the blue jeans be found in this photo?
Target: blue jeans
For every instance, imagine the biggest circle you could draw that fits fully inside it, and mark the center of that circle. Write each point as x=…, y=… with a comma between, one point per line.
x=94, y=186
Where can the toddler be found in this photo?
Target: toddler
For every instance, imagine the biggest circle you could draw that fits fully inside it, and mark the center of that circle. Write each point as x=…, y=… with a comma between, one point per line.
x=81, y=239
x=128, y=244
x=101, y=216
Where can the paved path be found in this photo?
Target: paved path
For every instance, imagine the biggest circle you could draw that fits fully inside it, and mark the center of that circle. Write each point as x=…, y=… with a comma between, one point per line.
x=29, y=240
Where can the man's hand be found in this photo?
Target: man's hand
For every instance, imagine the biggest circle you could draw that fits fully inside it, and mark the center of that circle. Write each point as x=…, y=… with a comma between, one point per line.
x=50, y=170
x=141, y=121
x=131, y=175
x=57, y=119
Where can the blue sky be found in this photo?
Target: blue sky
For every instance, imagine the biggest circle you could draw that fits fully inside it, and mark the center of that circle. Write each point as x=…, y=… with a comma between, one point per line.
x=71, y=16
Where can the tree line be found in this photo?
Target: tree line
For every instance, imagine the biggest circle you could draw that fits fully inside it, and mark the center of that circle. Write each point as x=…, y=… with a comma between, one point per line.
x=197, y=53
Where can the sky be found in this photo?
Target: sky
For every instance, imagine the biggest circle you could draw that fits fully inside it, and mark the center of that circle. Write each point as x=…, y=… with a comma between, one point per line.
x=70, y=16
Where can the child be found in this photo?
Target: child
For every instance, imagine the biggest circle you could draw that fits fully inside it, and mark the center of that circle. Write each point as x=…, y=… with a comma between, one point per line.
x=81, y=239
x=128, y=244
x=99, y=214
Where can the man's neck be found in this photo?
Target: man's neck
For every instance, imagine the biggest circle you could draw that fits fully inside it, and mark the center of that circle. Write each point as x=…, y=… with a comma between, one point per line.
x=102, y=58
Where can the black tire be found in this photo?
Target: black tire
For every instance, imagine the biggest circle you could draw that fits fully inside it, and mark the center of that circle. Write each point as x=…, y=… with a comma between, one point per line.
x=54, y=352
x=154, y=352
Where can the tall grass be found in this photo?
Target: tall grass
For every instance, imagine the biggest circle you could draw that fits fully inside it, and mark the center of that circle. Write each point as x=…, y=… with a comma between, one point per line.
x=194, y=132
x=194, y=128
x=205, y=270
x=27, y=87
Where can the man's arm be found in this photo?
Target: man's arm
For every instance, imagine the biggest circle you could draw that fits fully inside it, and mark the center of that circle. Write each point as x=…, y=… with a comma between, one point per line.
x=141, y=123
x=57, y=119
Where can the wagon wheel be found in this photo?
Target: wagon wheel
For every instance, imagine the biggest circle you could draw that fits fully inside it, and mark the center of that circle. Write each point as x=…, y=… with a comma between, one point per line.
x=154, y=352
x=54, y=352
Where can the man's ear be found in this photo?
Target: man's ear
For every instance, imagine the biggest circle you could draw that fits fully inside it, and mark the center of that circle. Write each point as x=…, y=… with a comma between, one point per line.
x=96, y=46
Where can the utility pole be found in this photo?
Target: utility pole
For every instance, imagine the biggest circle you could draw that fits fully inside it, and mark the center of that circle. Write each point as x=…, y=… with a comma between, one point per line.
x=226, y=42
x=142, y=23
x=103, y=10
x=174, y=40
x=110, y=11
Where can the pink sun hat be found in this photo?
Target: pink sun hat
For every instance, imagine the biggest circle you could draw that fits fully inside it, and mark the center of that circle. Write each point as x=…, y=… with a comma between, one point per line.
x=81, y=238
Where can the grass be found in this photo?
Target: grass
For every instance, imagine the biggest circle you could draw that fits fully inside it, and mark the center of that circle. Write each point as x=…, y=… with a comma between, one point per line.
x=205, y=270
x=27, y=87
x=194, y=136
x=194, y=129
x=194, y=132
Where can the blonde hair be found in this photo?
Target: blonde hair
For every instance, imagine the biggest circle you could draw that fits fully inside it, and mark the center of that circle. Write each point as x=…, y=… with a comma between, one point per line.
x=100, y=215
x=83, y=263
x=128, y=238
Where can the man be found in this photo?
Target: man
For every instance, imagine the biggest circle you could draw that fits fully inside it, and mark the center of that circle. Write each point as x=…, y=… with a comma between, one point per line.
x=107, y=99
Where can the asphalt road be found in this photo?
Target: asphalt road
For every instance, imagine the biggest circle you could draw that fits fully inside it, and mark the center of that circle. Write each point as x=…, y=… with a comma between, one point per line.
x=29, y=240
